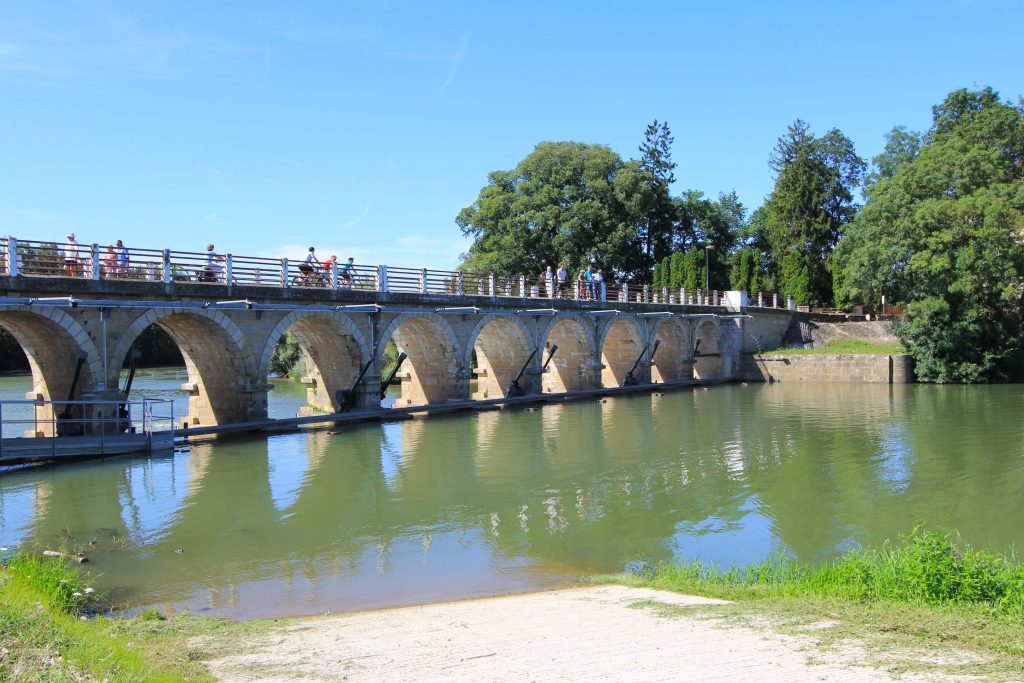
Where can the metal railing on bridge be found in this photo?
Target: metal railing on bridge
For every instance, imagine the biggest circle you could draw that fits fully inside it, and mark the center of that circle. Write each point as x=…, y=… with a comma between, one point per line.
x=35, y=258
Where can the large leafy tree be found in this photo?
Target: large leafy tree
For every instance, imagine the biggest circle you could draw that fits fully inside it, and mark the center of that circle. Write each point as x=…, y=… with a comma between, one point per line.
x=812, y=200
x=565, y=202
x=942, y=231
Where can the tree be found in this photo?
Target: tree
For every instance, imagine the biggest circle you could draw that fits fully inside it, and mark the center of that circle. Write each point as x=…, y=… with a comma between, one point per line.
x=901, y=147
x=659, y=221
x=943, y=234
x=811, y=202
x=745, y=274
x=565, y=202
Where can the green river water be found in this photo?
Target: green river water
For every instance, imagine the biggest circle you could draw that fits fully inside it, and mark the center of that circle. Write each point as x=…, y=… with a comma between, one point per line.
x=506, y=501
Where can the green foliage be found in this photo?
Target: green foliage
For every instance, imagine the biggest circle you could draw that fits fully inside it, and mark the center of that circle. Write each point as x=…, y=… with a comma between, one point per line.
x=923, y=568
x=43, y=635
x=843, y=346
x=657, y=277
x=156, y=347
x=658, y=224
x=811, y=202
x=565, y=202
x=942, y=234
x=287, y=360
x=795, y=278
x=54, y=578
x=678, y=274
x=745, y=274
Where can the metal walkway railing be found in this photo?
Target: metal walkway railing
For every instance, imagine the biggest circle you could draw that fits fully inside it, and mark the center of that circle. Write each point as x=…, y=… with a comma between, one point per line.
x=36, y=258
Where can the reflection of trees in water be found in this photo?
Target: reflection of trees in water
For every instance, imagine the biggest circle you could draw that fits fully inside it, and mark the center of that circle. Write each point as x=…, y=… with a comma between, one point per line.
x=588, y=485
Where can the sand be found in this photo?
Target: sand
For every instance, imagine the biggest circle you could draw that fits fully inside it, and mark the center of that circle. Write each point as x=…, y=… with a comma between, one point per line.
x=604, y=633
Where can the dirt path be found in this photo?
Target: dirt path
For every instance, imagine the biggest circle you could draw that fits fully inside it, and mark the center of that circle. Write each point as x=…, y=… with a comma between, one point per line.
x=608, y=633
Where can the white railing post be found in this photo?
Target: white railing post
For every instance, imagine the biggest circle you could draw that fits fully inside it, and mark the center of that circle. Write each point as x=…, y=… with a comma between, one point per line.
x=625, y=291
x=423, y=281
x=682, y=296
x=775, y=299
x=334, y=274
x=229, y=270
x=791, y=303
x=760, y=299
x=700, y=297
x=94, y=251
x=522, y=285
x=462, y=283
x=284, y=273
x=382, y=278
x=12, y=257
x=165, y=264
x=492, y=284
x=647, y=294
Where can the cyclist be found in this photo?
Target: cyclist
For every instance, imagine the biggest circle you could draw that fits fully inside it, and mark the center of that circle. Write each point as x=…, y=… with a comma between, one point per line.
x=346, y=272
x=306, y=267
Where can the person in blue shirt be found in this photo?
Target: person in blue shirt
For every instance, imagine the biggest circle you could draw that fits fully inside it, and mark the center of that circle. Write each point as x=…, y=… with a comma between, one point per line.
x=122, y=258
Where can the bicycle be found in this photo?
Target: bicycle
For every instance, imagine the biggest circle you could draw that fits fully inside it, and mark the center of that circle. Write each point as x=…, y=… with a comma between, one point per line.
x=310, y=279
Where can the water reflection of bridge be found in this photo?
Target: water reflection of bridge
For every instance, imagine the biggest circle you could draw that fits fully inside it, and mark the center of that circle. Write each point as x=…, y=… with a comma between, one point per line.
x=587, y=486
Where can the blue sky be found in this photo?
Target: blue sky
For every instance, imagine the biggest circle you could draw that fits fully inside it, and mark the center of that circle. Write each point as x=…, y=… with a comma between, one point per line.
x=364, y=127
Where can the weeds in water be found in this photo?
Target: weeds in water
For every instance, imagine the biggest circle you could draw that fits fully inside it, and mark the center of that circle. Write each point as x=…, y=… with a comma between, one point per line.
x=924, y=568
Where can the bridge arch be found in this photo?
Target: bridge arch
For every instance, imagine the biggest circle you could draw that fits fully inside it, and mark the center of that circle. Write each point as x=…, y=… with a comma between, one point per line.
x=673, y=361
x=621, y=343
x=502, y=344
x=707, y=358
x=223, y=381
x=334, y=350
x=435, y=372
x=571, y=369
x=53, y=343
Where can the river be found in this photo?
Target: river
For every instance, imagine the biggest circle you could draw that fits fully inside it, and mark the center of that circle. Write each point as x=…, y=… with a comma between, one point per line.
x=504, y=501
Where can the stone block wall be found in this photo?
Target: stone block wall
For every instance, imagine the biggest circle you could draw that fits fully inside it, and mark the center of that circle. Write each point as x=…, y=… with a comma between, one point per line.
x=897, y=369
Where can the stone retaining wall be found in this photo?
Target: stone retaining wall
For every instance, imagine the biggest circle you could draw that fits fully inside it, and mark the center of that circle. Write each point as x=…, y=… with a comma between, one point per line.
x=896, y=369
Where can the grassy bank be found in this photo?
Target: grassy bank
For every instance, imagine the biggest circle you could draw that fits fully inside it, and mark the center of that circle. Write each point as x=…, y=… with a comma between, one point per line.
x=925, y=594
x=844, y=346
x=46, y=632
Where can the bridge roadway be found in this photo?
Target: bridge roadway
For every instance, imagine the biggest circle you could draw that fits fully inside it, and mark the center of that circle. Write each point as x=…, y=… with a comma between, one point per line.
x=227, y=334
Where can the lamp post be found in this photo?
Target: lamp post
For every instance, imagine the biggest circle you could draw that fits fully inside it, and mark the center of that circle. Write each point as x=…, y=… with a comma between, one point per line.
x=707, y=268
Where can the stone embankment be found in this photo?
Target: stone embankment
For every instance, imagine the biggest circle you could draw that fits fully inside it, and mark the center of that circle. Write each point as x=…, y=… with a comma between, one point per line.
x=808, y=332
x=894, y=369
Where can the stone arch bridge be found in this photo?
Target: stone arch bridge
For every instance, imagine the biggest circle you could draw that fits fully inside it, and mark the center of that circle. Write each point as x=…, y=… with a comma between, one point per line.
x=227, y=334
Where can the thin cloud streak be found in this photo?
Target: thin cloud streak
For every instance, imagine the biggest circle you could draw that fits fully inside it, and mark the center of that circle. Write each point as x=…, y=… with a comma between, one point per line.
x=460, y=54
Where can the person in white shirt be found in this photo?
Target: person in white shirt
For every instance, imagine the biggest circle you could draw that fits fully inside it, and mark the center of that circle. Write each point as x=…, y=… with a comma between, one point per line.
x=306, y=267
x=71, y=256
x=211, y=272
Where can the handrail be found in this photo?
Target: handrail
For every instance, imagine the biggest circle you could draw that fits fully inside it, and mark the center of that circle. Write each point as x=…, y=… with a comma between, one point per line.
x=41, y=258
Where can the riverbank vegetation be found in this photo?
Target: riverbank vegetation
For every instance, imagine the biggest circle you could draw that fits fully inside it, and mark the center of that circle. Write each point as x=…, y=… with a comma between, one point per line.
x=843, y=346
x=937, y=227
x=927, y=590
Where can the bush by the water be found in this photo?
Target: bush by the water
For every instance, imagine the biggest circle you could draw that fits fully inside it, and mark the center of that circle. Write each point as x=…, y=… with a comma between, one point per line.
x=923, y=568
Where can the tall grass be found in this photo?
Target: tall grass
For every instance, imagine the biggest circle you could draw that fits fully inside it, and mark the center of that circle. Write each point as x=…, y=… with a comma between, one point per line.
x=923, y=568
x=44, y=634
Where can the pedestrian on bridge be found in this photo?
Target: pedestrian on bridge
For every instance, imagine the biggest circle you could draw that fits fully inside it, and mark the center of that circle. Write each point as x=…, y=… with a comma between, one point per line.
x=71, y=256
x=122, y=258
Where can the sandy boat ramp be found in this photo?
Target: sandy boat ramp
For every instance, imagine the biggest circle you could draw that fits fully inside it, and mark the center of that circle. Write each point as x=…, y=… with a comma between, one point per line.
x=594, y=633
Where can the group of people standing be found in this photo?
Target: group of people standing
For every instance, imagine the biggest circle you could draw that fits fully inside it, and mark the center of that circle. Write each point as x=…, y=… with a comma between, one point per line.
x=588, y=282
x=115, y=260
